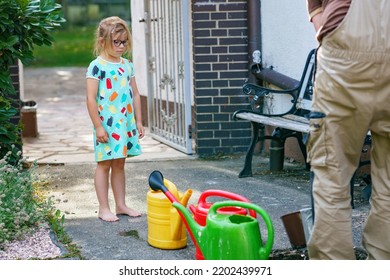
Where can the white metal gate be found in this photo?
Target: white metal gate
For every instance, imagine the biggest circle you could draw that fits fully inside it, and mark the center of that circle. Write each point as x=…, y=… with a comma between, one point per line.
x=168, y=51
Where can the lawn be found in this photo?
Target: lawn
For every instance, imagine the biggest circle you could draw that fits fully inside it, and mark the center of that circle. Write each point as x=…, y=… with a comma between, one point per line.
x=71, y=47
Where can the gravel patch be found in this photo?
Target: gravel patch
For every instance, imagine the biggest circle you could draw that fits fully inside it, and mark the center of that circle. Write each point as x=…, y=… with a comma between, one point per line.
x=36, y=245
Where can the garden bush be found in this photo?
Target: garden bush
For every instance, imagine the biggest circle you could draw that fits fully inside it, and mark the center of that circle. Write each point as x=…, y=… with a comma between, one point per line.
x=23, y=204
x=23, y=24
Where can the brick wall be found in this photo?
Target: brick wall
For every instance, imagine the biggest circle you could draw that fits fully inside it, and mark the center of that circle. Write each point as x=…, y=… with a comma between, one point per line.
x=14, y=71
x=220, y=49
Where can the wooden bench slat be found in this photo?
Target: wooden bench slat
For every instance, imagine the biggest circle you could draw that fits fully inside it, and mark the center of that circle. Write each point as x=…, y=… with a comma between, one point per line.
x=291, y=122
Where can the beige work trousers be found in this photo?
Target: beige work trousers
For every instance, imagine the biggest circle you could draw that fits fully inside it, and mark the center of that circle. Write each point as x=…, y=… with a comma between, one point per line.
x=352, y=89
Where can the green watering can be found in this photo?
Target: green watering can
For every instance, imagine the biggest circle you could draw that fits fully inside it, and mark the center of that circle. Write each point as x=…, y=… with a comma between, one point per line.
x=230, y=236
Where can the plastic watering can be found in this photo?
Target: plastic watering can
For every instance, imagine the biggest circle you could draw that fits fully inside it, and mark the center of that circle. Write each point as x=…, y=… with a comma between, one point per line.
x=165, y=225
x=163, y=187
x=231, y=237
x=201, y=209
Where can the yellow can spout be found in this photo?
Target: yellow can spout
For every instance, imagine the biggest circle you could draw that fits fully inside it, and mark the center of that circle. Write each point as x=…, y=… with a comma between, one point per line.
x=186, y=197
x=176, y=221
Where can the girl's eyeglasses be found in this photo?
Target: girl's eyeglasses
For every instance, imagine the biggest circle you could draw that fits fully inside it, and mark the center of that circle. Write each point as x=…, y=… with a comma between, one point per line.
x=117, y=43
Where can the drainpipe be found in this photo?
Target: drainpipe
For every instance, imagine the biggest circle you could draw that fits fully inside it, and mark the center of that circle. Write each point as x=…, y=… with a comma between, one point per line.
x=273, y=77
x=257, y=75
x=256, y=72
x=254, y=48
x=254, y=37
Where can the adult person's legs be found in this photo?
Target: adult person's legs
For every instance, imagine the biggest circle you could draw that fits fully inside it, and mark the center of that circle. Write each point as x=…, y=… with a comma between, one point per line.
x=352, y=90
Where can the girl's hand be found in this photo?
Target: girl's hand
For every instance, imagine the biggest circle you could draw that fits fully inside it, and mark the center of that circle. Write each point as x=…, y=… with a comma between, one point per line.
x=101, y=135
x=141, y=130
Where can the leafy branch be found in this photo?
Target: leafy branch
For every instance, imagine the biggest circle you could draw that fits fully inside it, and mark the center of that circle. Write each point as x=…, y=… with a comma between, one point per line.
x=23, y=24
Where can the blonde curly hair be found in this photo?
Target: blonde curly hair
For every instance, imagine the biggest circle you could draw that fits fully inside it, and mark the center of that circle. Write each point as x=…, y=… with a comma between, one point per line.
x=107, y=29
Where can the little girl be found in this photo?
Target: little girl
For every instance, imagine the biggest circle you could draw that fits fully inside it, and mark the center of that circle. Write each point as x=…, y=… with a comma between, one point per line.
x=114, y=105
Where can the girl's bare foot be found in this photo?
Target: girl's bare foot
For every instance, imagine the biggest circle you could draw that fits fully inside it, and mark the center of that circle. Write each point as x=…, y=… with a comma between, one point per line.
x=108, y=216
x=127, y=211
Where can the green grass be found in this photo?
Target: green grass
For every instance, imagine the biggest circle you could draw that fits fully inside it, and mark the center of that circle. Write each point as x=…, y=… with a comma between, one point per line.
x=71, y=47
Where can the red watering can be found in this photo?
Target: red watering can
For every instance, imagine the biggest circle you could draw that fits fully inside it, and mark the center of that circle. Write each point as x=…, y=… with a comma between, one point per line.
x=202, y=208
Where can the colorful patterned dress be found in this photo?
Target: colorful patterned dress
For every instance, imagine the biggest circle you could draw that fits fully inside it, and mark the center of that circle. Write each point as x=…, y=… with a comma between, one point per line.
x=115, y=106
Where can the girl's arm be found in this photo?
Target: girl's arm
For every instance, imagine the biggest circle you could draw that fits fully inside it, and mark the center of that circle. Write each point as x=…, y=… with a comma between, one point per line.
x=92, y=89
x=137, y=107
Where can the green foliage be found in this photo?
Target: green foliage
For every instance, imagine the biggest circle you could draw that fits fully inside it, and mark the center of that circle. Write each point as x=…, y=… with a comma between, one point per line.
x=9, y=132
x=23, y=24
x=56, y=221
x=72, y=47
x=23, y=205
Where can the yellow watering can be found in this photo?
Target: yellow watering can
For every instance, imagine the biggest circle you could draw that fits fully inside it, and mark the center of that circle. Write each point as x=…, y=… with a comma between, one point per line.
x=165, y=226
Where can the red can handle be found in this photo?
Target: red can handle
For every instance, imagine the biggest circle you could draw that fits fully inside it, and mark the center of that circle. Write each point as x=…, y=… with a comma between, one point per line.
x=224, y=194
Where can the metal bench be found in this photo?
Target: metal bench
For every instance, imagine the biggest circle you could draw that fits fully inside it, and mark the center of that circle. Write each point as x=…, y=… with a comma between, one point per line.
x=285, y=110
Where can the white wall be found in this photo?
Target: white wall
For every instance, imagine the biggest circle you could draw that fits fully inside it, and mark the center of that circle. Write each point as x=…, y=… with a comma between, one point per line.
x=139, y=55
x=287, y=36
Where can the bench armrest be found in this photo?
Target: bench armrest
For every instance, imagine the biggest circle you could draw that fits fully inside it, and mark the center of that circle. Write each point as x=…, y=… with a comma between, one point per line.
x=253, y=89
x=271, y=102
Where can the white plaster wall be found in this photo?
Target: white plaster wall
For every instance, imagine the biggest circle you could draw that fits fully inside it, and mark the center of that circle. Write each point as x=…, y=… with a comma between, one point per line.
x=139, y=48
x=287, y=36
